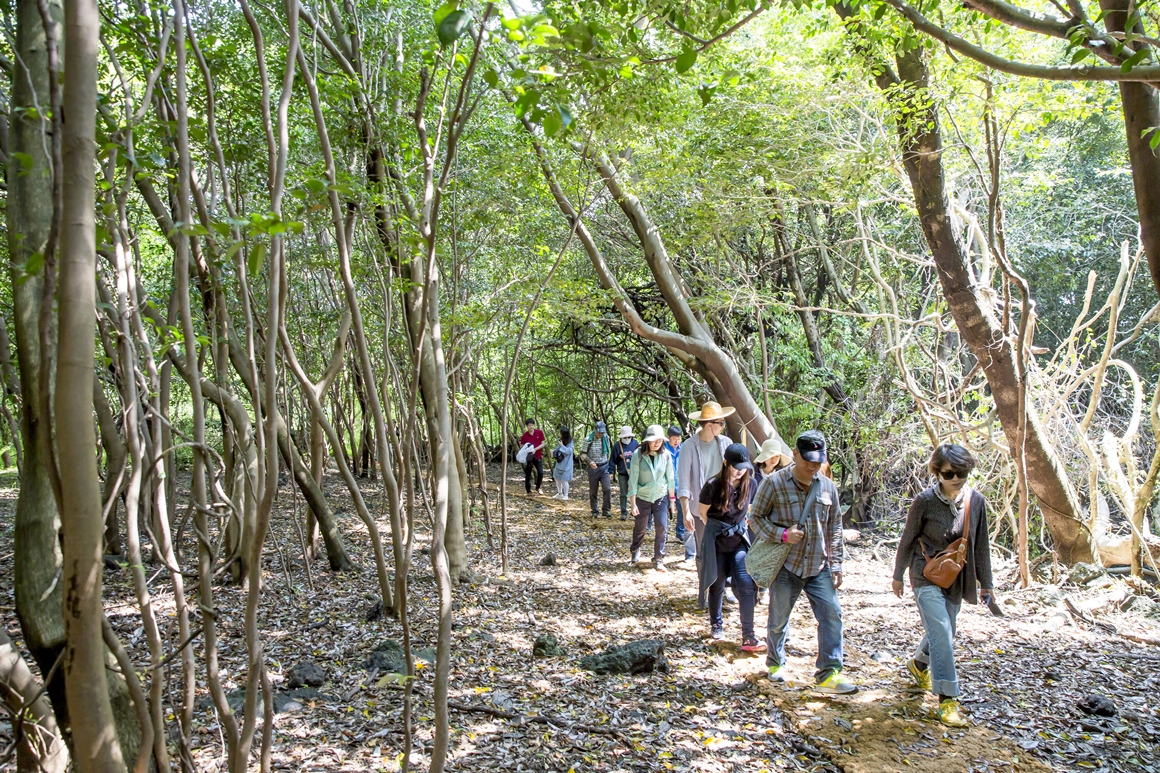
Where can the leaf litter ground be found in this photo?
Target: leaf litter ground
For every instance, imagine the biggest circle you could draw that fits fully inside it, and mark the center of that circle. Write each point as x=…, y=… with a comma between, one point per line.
x=714, y=711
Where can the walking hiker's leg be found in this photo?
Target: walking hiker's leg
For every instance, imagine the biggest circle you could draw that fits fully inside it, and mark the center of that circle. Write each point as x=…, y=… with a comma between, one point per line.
x=828, y=612
x=593, y=489
x=606, y=484
x=746, y=592
x=939, y=620
x=698, y=537
x=638, y=525
x=529, y=465
x=622, y=479
x=539, y=474
x=716, y=591
x=660, y=514
x=782, y=595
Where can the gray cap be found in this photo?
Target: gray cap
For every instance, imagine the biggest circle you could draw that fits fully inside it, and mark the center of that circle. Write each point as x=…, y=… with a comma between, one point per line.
x=601, y=426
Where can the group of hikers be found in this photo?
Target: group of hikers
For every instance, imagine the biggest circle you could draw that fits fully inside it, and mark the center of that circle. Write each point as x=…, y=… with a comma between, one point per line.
x=725, y=505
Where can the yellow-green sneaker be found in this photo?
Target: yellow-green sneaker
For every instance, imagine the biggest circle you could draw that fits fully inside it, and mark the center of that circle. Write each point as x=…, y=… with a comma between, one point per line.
x=921, y=677
x=948, y=713
x=836, y=684
x=777, y=674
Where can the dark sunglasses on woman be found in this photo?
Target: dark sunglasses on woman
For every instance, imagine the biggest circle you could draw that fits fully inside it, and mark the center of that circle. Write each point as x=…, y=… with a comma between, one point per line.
x=952, y=474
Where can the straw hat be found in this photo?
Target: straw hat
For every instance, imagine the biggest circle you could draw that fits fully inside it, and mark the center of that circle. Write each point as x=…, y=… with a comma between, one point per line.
x=626, y=432
x=711, y=411
x=654, y=432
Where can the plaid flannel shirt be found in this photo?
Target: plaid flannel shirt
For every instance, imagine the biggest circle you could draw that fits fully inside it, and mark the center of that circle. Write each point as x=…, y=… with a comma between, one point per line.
x=778, y=505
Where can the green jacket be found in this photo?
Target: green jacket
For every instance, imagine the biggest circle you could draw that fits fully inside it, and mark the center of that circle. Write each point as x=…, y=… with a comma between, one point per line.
x=651, y=477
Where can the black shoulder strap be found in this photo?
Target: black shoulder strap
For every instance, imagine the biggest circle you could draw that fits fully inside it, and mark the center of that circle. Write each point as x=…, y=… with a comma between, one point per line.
x=810, y=497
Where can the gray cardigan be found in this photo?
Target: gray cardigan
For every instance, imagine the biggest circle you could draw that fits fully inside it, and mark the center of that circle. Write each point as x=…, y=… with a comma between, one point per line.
x=689, y=481
x=930, y=520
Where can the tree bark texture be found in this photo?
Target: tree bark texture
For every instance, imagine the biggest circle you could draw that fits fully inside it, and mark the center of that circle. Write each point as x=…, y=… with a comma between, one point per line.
x=37, y=560
x=93, y=730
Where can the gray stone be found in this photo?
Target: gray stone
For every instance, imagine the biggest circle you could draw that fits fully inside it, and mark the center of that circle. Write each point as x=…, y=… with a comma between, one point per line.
x=546, y=646
x=638, y=657
x=1097, y=705
x=388, y=657
x=426, y=654
x=305, y=674
x=1082, y=574
x=548, y=560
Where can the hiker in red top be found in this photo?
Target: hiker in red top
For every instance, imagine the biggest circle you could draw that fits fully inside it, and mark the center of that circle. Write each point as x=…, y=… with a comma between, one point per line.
x=535, y=459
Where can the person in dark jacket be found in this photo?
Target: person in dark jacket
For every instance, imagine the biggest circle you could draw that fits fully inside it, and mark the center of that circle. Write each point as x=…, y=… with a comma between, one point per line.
x=621, y=459
x=936, y=519
x=724, y=504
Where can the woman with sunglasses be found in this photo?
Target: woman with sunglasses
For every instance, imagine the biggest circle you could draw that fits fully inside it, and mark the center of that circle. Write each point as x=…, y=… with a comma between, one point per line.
x=935, y=520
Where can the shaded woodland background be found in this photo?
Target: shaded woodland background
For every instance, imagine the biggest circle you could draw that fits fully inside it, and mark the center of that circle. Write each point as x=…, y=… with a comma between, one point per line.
x=365, y=241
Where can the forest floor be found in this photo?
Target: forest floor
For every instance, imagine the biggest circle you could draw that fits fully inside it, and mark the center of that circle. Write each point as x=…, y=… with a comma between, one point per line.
x=714, y=711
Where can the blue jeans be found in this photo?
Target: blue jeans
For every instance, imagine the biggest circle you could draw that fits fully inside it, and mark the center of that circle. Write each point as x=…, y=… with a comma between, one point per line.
x=684, y=535
x=827, y=611
x=936, y=649
x=731, y=564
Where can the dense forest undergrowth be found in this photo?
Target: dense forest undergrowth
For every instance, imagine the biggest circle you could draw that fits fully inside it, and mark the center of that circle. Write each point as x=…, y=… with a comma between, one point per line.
x=712, y=711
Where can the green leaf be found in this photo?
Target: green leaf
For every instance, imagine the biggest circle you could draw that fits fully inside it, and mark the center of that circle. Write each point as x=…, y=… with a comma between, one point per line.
x=552, y=123
x=686, y=59
x=25, y=162
x=453, y=26
x=445, y=10
x=1133, y=60
x=257, y=256
x=491, y=77
x=34, y=264
x=1154, y=140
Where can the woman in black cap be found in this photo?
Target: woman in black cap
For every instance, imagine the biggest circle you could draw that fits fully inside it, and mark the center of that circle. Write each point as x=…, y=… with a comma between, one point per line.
x=724, y=504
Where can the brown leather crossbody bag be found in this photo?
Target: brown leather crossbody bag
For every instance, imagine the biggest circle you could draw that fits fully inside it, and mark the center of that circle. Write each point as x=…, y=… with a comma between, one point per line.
x=943, y=569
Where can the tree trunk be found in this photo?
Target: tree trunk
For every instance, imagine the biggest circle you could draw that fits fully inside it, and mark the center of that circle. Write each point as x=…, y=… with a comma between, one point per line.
x=1141, y=105
x=37, y=559
x=93, y=730
x=41, y=748
x=921, y=141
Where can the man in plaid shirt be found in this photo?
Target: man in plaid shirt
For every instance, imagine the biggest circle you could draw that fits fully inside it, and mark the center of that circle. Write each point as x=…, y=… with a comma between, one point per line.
x=814, y=561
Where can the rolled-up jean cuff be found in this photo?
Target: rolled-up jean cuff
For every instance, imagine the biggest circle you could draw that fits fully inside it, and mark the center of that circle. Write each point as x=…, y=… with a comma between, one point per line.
x=945, y=688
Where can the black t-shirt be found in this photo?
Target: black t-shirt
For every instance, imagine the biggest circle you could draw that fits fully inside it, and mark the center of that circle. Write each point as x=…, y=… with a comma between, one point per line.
x=733, y=513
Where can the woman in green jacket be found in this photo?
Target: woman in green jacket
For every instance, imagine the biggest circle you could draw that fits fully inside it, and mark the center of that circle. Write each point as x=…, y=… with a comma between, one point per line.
x=651, y=487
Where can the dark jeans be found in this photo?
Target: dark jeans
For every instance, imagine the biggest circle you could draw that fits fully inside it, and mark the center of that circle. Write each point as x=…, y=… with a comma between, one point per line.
x=646, y=511
x=536, y=467
x=598, y=479
x=824, y=601
x=622, y=478
x=731, y=564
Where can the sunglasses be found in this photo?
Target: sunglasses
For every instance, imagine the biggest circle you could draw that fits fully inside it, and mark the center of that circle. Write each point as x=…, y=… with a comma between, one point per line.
x=952, y=474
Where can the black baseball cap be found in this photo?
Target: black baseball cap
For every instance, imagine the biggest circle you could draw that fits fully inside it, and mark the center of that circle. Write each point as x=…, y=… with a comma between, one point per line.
x=737, y=457
x=811, y=444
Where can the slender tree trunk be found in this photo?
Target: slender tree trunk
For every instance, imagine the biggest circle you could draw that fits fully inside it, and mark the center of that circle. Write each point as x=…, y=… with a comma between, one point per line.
x=94, y=733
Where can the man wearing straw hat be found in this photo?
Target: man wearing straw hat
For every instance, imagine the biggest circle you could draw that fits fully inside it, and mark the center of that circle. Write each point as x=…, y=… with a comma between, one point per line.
x=701, y=457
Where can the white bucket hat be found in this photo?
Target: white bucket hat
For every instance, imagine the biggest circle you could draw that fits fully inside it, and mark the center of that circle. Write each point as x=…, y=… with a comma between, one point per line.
x=626, y=432
x=654, y=432
x=772, y=447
